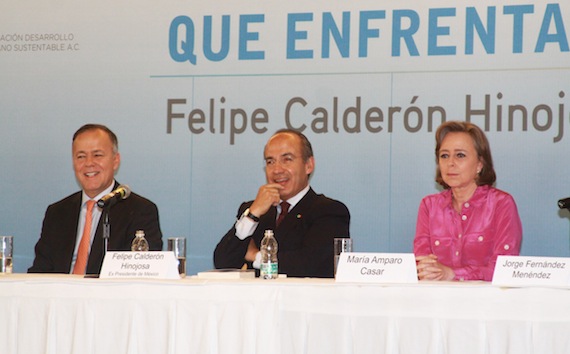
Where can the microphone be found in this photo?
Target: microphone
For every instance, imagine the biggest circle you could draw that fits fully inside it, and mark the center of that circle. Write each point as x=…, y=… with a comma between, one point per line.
x=564, y=203
x=122, y=192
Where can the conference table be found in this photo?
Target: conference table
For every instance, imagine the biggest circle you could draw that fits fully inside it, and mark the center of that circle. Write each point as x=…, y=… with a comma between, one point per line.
x=71, y=314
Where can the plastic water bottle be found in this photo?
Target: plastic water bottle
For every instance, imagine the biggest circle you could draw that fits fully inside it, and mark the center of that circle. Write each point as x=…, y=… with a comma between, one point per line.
x=140, y=244
x=268, y=250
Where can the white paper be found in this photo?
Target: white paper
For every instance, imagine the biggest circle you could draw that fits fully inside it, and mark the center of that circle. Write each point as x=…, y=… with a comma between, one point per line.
x=376, y=268
x=141, y=265
x=531, y=271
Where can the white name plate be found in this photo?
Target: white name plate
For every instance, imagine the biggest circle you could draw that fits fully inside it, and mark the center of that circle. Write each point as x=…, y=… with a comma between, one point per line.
x=140, y=265
x=356, y=267
x=531, y=271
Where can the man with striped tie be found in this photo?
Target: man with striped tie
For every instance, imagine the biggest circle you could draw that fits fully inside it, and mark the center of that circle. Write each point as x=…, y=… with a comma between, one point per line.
x=305, y=223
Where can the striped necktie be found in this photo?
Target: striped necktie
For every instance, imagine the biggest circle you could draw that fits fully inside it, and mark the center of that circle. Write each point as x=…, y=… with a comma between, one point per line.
x=284, y=210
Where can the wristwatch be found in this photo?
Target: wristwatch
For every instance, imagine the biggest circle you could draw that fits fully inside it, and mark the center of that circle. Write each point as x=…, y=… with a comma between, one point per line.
x=246, y=213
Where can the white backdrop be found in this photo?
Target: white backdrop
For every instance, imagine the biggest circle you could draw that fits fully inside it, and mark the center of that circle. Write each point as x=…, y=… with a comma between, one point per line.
x=369, y=81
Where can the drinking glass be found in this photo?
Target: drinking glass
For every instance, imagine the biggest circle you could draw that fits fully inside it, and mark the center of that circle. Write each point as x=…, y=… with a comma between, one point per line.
x=341, y=244
x=178, y=246
x=6, y=249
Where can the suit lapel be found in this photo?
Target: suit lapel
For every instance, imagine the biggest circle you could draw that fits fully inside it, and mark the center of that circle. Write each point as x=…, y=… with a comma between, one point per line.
x=296, y=214
x=69, y=220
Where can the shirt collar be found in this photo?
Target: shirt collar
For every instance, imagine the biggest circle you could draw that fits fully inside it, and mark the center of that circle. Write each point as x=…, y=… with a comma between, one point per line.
x=85, y=197
x=475, y=199
x=297, y=197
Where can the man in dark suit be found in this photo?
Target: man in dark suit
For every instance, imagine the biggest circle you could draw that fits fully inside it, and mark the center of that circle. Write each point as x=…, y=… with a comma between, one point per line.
x=305, y=234
x=95, y=161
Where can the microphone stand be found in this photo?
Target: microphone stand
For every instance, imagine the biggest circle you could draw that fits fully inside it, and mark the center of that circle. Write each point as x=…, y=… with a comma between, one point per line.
x=106, y=203
x=106, y=230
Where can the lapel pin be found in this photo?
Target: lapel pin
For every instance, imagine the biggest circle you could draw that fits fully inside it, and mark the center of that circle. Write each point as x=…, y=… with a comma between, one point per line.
x=299, y=216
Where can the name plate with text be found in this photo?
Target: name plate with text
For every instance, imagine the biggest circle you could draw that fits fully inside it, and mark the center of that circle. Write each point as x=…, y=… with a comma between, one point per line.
x=141, y=265
x=357, y=267
x=521, y=271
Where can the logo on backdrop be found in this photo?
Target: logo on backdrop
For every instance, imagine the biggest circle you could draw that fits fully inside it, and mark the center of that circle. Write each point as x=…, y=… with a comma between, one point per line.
x=38, y=42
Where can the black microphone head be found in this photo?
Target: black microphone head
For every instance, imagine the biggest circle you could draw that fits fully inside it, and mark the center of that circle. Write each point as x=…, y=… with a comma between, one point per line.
x=564, y=203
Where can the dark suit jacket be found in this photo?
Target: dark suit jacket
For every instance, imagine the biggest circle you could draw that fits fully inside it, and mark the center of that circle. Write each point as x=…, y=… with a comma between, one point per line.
x=304, y=237
x=54, y=250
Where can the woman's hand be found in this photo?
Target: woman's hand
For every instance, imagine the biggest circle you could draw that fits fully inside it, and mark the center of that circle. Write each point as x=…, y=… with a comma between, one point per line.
x=430, y=269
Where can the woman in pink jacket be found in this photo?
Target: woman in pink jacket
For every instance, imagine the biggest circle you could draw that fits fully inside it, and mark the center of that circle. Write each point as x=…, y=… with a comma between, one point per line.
x=461, y=231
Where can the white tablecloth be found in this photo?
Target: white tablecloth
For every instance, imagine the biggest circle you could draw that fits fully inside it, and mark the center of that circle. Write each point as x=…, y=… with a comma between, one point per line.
x=67, y=314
